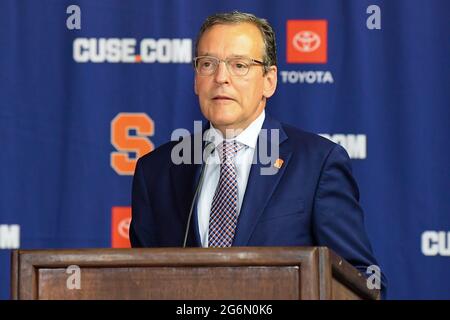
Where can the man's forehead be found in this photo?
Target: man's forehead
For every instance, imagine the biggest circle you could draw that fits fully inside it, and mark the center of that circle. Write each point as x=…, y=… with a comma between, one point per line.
x=232, y=55
x=241, y=38
x=236, y=30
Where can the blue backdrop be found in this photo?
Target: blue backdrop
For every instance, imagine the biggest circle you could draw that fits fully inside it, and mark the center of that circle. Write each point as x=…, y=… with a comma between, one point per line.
x=77, y=106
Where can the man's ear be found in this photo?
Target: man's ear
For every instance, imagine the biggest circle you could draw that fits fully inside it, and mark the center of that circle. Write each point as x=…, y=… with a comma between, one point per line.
x=270, y=82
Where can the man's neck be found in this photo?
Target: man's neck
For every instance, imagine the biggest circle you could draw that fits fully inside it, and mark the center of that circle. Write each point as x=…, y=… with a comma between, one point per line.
x=232, y=131
x=247, y=135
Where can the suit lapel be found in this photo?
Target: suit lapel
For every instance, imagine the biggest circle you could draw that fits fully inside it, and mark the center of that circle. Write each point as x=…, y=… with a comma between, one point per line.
x=260, y=187
x=182, y=177
x=184, y=181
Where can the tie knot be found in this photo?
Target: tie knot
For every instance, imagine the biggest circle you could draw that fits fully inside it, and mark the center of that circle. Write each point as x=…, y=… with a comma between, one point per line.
x=228, y=150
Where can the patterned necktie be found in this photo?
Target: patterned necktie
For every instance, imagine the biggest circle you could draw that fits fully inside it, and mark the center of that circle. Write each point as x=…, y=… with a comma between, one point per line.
x=223, y=217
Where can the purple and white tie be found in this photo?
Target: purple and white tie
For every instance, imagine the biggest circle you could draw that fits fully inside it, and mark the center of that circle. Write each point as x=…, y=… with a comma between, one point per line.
x=223, y=217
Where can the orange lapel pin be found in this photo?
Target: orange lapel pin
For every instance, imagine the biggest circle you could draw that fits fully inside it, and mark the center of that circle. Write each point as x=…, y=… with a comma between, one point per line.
x=278, y=163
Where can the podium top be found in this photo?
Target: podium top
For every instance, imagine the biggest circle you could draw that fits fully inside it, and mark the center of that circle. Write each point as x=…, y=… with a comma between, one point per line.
x=281, y=272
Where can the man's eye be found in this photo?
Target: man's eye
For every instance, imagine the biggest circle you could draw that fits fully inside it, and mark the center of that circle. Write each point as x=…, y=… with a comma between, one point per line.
x=239, y=65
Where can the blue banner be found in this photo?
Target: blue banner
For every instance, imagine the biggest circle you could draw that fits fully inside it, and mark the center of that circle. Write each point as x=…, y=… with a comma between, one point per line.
x=87, y=87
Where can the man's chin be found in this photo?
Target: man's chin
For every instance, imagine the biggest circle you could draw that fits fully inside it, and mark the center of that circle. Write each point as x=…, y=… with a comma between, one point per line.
x=221, y=122
x=224, y=122
x=223, y=117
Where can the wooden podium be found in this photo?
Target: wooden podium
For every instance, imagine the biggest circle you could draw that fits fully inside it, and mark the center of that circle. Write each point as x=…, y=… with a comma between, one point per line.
x=249, y=273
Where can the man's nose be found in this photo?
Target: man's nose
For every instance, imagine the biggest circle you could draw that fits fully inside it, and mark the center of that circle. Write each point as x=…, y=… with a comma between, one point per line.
x=222, y=75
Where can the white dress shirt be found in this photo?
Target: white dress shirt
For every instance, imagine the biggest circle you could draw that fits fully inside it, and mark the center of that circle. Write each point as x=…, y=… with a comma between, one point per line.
x=243, y=161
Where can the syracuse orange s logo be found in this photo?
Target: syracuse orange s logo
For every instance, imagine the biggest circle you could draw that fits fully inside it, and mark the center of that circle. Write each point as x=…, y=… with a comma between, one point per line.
x=139, y=143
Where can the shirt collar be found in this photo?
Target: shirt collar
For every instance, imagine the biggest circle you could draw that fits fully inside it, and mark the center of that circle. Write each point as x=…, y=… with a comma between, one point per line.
x=248, y=137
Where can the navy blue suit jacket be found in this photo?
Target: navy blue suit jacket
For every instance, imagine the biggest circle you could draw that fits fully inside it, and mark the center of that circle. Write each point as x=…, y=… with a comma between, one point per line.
x=312, y=200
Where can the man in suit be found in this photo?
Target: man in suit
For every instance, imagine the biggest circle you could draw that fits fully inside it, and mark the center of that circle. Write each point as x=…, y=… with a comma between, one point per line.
x=309, y=198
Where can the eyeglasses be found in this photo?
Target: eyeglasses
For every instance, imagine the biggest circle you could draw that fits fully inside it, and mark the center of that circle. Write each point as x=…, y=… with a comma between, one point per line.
x=236, y=66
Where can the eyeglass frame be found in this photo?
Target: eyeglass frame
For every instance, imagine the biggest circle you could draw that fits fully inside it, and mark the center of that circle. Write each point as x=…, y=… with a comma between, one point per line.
x=254, y=62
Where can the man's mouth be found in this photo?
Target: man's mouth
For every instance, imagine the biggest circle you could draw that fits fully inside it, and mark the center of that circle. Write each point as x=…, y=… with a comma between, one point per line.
x=220, y=97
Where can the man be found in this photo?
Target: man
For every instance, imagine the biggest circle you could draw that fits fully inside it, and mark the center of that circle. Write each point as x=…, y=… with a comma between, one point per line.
x=310, y=198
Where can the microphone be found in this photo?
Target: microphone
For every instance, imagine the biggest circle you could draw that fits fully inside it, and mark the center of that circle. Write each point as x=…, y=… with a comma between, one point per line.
x=209, y=149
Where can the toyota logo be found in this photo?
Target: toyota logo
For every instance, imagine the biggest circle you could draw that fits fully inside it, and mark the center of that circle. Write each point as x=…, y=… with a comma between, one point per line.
x=306, y=41
x=124, y=227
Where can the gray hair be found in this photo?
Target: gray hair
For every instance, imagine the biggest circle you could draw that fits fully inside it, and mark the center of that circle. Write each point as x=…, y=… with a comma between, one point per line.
x=235, y=17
